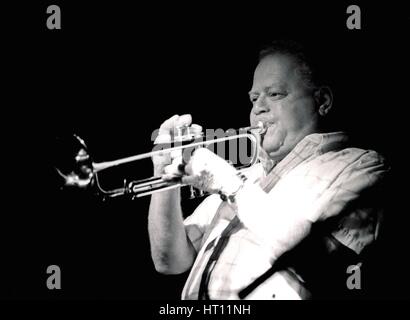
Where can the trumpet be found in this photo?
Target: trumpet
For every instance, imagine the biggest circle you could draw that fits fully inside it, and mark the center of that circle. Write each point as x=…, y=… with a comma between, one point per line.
x=84, y=172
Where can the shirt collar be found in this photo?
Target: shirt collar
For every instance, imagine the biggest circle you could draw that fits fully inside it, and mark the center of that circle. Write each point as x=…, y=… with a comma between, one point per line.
x=311, y=145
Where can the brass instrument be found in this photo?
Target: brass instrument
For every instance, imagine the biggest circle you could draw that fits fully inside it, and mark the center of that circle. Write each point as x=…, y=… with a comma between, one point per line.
x=86, y=171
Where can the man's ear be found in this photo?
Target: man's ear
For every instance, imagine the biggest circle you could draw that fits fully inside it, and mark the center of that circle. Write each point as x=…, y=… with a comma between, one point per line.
x=324, y=100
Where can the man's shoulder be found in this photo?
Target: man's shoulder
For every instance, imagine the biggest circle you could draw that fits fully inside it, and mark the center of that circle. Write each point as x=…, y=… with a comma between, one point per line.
x=338, y=147
x=354, y=155
x=343, y=162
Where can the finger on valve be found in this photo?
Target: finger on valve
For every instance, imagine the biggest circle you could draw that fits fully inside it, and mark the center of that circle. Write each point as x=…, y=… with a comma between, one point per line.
x=184, y=120
x=196, y=129
x=166, y=130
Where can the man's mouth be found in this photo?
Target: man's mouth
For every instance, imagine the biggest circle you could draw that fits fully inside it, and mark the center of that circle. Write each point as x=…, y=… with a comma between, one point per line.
x=266, y=126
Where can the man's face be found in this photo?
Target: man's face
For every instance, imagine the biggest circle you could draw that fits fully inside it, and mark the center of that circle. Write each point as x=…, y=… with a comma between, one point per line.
x=280, y=96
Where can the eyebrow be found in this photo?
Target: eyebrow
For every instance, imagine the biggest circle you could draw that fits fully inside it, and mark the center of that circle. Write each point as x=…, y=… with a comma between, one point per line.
x=273, y=85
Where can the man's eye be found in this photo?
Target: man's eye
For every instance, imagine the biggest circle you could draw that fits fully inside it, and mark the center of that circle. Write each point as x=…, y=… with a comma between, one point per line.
x=274, y=94
x=253, y=98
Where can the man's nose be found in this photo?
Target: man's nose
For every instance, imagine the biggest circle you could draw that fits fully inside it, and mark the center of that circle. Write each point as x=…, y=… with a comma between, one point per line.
x=260, y=106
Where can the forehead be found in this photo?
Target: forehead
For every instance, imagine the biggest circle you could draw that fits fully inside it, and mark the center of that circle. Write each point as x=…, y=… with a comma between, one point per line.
x=277, y=69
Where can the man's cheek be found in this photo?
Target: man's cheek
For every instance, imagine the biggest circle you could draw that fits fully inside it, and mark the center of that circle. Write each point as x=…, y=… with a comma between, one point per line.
x=274, y=139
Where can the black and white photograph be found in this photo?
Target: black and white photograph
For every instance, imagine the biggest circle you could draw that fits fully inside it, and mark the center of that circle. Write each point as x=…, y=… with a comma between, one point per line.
x=235, y=152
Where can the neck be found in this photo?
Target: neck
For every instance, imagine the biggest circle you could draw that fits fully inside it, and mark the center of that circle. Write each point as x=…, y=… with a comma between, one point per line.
x=267, y=162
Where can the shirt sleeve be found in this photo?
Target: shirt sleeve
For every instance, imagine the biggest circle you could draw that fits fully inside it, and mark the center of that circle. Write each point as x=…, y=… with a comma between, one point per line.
x=354, y=182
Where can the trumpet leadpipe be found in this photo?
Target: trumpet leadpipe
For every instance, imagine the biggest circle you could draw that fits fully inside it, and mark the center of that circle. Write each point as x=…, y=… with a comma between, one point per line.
x=109, y=164
x=260, y=128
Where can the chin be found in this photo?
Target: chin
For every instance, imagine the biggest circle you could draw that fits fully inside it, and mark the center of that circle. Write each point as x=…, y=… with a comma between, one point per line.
x=272, y=145
x=276, y=151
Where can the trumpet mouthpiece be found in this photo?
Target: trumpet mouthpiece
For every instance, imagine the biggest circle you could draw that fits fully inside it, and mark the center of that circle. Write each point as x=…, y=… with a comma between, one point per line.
x=260, y=128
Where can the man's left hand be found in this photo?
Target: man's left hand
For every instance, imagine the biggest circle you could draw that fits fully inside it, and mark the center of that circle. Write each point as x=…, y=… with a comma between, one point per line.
x=209, y=172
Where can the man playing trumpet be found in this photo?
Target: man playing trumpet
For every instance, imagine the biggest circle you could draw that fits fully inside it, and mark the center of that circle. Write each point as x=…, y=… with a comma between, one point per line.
x=287, y=228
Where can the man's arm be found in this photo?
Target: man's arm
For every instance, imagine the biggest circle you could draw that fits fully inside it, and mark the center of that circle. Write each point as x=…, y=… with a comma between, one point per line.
x=171, y=249
x=280, y=230
x=283, y=218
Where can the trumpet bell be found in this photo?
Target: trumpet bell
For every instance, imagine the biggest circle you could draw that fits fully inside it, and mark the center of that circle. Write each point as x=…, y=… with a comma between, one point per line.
x=74, y=163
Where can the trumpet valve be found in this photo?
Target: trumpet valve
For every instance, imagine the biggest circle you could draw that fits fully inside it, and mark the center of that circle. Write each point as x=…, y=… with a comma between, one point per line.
x=186, y=132
x=195, y=193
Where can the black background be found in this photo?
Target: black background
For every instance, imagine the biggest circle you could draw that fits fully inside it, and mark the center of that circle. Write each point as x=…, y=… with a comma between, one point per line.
x=116, y=71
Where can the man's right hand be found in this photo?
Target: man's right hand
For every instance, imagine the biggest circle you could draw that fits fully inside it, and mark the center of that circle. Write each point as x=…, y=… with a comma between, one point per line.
x=165, y=135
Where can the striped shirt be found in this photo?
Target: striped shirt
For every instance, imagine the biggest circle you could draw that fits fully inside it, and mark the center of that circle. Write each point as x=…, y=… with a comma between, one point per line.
x=317, y=180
